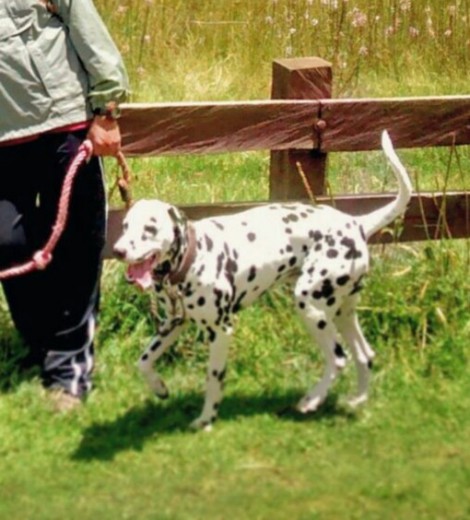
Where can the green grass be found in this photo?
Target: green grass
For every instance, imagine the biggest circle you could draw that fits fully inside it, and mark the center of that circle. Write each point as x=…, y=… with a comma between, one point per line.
x=403, y=455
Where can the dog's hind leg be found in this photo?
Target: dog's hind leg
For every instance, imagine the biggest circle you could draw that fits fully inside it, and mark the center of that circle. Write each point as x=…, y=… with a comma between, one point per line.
x=166, y=336
x=318, y=320
x=348, y=326
x=219, y=345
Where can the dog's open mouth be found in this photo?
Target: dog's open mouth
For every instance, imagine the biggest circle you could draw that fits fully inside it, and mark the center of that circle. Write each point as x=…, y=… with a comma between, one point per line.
x=140, y=273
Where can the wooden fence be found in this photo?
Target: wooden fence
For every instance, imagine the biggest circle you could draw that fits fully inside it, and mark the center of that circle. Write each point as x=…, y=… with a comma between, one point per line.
x=300, y=125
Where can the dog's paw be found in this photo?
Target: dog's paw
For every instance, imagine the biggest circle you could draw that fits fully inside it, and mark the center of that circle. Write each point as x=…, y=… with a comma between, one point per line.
x=309, y=404
x=356, y=400
x=160, y=389
x=201, y=424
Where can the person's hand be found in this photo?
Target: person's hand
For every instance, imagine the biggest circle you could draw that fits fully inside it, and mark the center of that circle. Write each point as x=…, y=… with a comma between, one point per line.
x=105, y=136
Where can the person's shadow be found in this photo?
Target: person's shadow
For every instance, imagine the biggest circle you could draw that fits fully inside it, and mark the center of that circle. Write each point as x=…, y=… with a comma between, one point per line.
x=103, y=441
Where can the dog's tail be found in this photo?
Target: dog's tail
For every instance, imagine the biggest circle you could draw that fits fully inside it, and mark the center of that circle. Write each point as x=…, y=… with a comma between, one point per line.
x=380, y=218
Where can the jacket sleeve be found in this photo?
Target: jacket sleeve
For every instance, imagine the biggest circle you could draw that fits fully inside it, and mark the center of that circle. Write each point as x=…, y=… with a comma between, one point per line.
x=96, y=49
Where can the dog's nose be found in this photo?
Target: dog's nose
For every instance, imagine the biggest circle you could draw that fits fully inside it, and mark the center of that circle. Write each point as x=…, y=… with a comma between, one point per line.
x=119, y=253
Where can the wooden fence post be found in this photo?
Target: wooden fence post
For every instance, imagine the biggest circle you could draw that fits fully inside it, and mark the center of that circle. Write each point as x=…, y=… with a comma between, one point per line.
x=299, y=78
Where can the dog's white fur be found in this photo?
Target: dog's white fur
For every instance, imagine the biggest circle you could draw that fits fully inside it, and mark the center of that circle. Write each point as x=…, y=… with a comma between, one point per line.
x=238, y=257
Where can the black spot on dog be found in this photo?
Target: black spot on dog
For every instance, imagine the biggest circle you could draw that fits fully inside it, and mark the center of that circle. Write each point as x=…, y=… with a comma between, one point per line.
x=201, y=301
x=281, y=268
x=292, y=261
x=321, y=324
x=352, y=252
x=339, y=351
x=155, y=346
x=316, y=235
x=238, y=303
x=211, y=335
x=363, y=234
x=326, y=290
x=220, y=264
x=332, y=253
x=357, y=286
x=220, y=376
x=251, y=273
x=231, y=267
x=209, y=242
x=251, y=237
x=292, y=217
x=218, y=224
x=330, y=240
x=288, y=231
x=343, y=280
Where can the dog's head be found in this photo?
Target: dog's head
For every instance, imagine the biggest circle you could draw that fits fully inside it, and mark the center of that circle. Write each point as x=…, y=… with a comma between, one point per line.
x=151, y=231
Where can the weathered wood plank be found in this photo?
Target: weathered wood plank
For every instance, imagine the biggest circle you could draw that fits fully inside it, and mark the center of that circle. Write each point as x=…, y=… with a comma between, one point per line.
x=218, y=127
x=350, y=125
x=356, y=124
x=447, y=216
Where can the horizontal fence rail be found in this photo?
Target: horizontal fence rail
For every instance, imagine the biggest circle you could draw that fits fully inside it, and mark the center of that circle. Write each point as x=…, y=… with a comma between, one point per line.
x=327, y=125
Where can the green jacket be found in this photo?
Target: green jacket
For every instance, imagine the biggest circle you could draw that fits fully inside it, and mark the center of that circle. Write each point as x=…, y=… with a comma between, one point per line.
x=55, y=69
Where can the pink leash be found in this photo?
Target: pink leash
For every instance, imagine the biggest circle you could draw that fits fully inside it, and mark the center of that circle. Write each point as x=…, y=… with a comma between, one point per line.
x=42, y=258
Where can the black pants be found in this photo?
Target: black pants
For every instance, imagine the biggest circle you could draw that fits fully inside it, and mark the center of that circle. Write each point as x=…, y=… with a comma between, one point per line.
x=54, y=309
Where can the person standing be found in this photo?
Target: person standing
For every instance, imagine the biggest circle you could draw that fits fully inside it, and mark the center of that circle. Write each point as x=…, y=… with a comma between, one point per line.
x=61, y=82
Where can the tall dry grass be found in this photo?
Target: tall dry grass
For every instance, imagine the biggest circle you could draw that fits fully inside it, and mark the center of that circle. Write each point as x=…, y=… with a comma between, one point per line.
x=193, y=50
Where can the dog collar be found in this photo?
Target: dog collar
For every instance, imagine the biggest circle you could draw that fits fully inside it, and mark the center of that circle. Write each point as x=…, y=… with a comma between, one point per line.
x=188, y=258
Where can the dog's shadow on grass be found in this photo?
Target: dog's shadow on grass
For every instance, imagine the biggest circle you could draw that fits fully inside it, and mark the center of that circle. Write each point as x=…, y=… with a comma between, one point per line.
x=130, y=431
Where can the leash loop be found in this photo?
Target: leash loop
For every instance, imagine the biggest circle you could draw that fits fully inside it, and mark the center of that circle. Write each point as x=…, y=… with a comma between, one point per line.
x=42, y=259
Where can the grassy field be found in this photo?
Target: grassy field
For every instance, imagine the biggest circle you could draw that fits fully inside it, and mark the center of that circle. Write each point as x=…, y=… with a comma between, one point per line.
x=403, y=455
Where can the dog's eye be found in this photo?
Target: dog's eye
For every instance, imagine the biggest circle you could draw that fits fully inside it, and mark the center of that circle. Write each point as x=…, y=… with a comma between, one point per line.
x=149, y=232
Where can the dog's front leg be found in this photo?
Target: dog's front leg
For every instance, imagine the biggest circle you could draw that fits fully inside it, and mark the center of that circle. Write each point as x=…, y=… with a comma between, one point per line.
x=167, y=335
x=219, y=345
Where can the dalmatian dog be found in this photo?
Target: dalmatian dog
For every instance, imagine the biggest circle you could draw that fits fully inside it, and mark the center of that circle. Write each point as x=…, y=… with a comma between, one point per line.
x=209, y=269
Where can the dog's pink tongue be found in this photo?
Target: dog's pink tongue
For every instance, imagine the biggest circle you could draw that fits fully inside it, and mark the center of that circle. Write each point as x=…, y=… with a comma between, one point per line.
x=141, y=274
